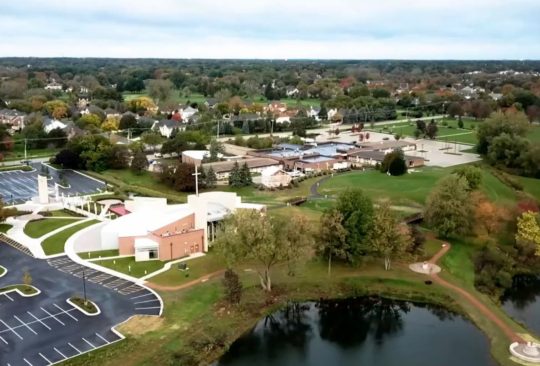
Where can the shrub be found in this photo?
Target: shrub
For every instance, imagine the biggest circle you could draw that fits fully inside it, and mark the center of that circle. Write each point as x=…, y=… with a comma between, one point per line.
x=233, y=287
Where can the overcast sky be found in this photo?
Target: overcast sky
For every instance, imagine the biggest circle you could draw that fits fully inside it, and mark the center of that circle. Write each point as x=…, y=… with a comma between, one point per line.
x=330, y=29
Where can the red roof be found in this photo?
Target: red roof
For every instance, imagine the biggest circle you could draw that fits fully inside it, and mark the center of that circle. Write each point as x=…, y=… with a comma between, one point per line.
x=120, y=210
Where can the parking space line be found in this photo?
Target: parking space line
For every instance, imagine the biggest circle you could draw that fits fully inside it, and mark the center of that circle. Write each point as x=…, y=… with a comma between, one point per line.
x=65, y=312
x=142, y=302
x=52, y=316
x=9, y=297
x=61, y=354
x=39, y=320
x=90, y=344
x=104, y=340
x=136, y=297
x=26, y=325
x=75, y=348
x=153, y=307
x=45, y=358
x=28, y=362
x=3, y=340
x=13, y=330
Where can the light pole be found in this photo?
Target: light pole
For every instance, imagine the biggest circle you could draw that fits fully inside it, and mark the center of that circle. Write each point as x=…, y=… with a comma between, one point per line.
x=171, y=250
x=84, y=285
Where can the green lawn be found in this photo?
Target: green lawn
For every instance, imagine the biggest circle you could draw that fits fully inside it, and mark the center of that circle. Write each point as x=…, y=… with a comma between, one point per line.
x=410, y=189
x=5, y=227
x=63, y=213
x=38, y=228
x=531, y=186
x=137, y=268
x=534, y=134
x=25, y=289
x=99, y=253
x=198, y=267
x=55, y=244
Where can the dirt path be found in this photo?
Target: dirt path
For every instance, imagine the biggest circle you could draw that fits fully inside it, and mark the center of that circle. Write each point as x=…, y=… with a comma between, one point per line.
x=473, y=300
x=205, y=278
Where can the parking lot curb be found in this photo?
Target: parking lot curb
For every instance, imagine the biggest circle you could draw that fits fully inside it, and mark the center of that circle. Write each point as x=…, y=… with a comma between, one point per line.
x=84, y=311
x=38, y=291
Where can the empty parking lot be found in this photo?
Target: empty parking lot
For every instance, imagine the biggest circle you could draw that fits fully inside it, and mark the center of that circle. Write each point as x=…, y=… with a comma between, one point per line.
x=45, y=329
x=18, y=186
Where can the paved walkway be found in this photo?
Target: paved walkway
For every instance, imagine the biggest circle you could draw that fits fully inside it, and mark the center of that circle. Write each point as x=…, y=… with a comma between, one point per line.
x=510, y=333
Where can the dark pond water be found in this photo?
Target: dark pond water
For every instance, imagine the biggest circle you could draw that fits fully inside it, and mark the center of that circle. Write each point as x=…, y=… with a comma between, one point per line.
x=365, y=331
x=522, y=301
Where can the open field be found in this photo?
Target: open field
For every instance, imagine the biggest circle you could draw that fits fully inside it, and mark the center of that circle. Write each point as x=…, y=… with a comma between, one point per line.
x=99, y=253
x=198, y=267
x=55, y=244
x=38, y=228
x=5, y=227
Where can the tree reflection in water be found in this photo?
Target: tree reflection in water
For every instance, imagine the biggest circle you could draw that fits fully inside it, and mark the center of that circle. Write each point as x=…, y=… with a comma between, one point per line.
x=349, y=322
x=523, y=292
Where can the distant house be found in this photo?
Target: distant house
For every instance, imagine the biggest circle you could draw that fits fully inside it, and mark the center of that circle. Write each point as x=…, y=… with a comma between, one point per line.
x=313, y=113
x=13, y=118
x=495, y=96
x=166, y=127
x=188, y=112
x=72, y=130
x=50, y=124
x=53, y=86
x=276, y=107
x=112, y=113
x=292, y=91
x=194, y=157
x=274, y=176
x=211, y=102
x=246, y=117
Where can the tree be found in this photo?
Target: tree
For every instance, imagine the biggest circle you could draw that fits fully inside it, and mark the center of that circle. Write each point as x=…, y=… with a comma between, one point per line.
x=27, y=278
x=235, y=179
x=211, y=178
x=139, y=163
x=56, y=108
x=394, y=163
x=472, y=175
x=183, y=178
x=418, y=240
x=128, y=120
x=159, y=89
x=249, y=236
x=110, y=124
x=245, y=176
x=216, y=148
x=67, y=159
x=460, y=123
x=89, y=119
x=387, y=238
x=332, y=237
x=511, y=123
x=118, y=157
x=487, y=216
x=455, y=109
x=507, y=150
x=431, y=130
x=6, y=212
x=357, y=211
x=448, y=208
x=528, y=229
x=233, y=287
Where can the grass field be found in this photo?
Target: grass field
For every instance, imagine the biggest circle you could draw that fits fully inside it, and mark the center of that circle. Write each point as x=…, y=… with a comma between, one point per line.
x=55, y=244
x=128, y=266
x=99, y=253
x=198, y=267
x=63, y=213
x=38, y=228
x=531, y=186
x=410, y=189
x=5, y=227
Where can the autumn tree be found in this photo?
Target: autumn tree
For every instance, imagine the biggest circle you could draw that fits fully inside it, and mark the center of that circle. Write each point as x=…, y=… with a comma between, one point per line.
x=528, y=229
x=89, y=119
x=487, y=216
x=448, y=207
x=265, y=241
x=332, y=237
x=387, y=238
x=56, y=109
x=110, y=124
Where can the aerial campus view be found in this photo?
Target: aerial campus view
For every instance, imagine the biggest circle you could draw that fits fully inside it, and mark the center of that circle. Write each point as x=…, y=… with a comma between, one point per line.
x=271, y=183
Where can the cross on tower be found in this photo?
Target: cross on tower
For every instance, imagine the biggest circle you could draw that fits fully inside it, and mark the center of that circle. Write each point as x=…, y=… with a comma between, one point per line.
x=196, y=174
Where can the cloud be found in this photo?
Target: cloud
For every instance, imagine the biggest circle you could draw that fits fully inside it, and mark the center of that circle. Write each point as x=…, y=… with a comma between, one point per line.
x=419, y=29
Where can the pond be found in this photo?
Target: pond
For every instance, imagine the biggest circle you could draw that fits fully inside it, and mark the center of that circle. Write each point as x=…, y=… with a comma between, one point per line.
x=362, y=331
x=522, y=301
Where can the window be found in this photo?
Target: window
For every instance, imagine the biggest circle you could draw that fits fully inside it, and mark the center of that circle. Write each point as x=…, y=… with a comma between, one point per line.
x=153, y=254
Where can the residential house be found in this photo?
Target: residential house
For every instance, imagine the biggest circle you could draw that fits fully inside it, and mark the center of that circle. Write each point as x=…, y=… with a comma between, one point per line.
x=50, y=124
x=13, y=118
x=313, y=113
x=292, y=91
x=188, y=112
x=166, y=127
x=211, y=103
x=276, y=107
x=53, y=85
x=495, y=96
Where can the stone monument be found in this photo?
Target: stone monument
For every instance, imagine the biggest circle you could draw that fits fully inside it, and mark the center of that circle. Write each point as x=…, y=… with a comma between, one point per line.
x=43, y=189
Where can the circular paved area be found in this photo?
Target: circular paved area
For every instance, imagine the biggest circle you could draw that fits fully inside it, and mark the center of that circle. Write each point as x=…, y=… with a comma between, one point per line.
x=425, y=268
x=529, y=351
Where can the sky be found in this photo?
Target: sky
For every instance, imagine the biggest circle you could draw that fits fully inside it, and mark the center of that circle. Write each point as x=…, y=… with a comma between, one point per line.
x=272, y=29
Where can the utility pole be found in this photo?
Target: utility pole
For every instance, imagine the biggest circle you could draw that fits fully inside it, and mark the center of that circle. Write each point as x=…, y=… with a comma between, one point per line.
x=217, y=132
x=25, y=158
x=196, y=174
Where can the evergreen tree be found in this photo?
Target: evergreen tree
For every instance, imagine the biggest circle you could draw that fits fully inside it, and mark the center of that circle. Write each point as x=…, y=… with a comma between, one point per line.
x=245, y=176
x=233, y=287
x=211, y=178
x=203, y=178
x=234, y=176
x=139, y=163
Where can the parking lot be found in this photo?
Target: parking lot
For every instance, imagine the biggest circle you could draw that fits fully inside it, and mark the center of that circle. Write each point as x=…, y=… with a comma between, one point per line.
x=45, y=329
x=19, y=186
